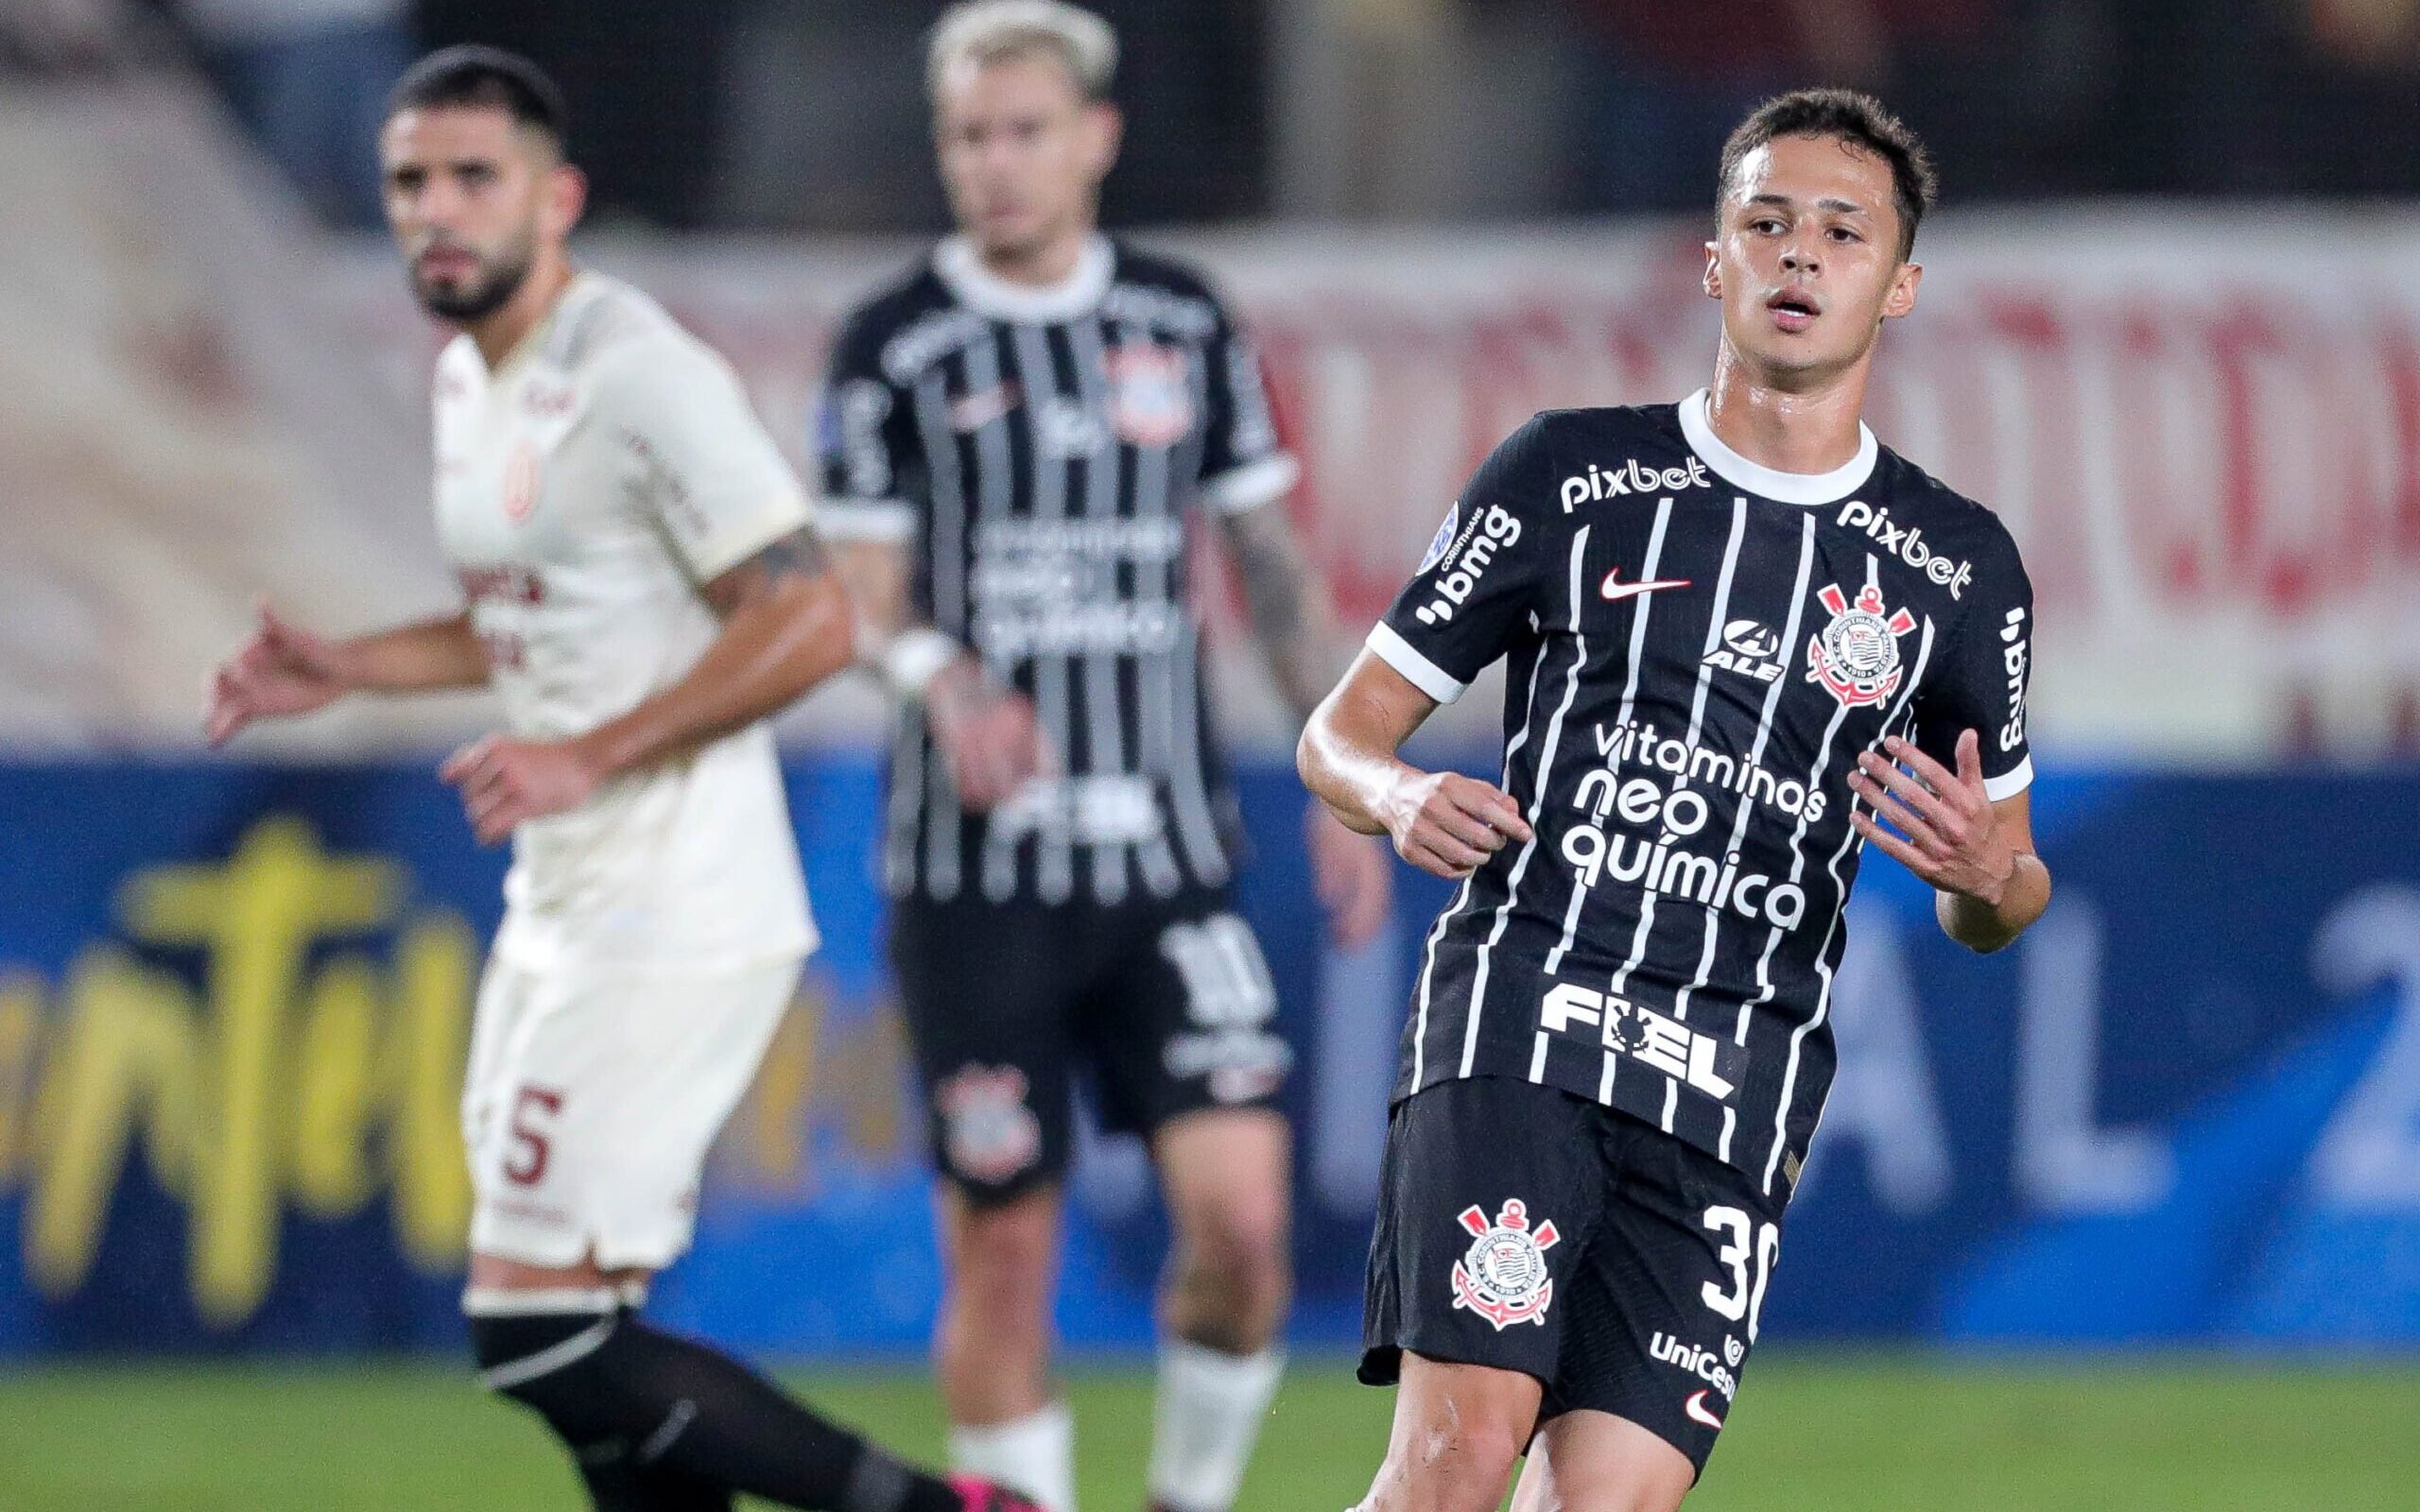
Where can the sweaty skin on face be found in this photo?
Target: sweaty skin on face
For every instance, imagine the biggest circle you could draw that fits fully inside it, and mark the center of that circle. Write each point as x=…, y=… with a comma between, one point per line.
x=1022, y=153
x=1807, y=256
x=465, y=193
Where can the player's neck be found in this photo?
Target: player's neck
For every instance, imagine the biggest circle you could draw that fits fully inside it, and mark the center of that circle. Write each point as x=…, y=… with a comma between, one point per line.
x=1042, y=265
x=1791, y=428
x=499, y=334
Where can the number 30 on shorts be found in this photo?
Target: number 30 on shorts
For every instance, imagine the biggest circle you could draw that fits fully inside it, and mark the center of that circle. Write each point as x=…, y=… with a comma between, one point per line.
x=1739, y=1300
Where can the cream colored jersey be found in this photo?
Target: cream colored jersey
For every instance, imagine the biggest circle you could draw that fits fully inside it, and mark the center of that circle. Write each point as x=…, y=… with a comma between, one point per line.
x=586, y=489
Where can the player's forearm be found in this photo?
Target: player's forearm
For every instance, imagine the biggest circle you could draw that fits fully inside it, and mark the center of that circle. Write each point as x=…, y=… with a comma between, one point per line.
x=1347, y=758
x=1986, y=925
x=1292, y=619
x=772, y=650
x=420, y=657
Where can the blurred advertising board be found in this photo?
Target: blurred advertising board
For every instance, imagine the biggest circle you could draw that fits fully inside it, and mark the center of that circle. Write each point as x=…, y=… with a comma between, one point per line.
x=235, y=1000
x=2202, y=427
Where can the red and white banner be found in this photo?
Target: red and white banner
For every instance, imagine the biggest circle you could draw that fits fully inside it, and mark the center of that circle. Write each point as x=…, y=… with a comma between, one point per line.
x=2204, y=430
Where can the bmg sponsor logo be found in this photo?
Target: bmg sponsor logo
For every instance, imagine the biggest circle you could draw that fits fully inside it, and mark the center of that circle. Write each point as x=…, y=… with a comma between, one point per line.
x=1488, y=533
x=1598, y=484
x=1908, y=544
x=2013, y=654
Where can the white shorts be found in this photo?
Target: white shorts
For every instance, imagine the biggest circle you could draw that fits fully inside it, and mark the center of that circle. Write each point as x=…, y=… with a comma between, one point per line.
x=591, y=1098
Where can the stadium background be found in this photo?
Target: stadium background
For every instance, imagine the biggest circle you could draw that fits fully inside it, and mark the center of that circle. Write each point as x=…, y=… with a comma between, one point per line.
x=2130, y=1213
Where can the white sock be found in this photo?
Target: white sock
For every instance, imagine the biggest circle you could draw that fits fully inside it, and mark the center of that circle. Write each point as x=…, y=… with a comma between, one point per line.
x=1035, y=1455
x=1210, y=1409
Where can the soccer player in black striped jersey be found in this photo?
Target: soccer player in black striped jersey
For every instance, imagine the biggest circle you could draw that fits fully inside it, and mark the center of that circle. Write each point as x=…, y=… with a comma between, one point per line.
x=1742, y=641
x=1022, y=436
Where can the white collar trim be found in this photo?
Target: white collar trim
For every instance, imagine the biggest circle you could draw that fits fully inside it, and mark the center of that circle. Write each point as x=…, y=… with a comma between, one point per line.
x=988, y=294
x=1696, y=427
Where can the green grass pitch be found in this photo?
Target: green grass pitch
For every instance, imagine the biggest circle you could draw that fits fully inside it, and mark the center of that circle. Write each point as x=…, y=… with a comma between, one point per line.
x=1861, y=1433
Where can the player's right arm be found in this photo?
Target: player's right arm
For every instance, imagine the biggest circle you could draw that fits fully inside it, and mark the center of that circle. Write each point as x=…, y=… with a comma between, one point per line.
x=285, y=670
x=870, y=456
x=1472, y=596
x=1441, y=822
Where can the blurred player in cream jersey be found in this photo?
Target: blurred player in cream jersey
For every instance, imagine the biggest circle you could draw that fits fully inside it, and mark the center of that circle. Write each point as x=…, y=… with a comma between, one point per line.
x=642, y=588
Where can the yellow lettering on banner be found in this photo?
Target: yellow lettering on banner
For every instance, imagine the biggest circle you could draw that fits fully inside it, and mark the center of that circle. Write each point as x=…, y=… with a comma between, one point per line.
x=335, y=1098
x=772, y=1151
x=849, y=1073
x=281, y=1082
x=125, y=1059
x=437, y=970
x=255, y=916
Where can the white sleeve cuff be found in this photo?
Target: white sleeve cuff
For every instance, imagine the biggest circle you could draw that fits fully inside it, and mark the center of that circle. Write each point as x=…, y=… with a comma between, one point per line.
x=735, y=541
x=2011, y=783
x=1240, y=489
x=887, y=521
x=1417, y=670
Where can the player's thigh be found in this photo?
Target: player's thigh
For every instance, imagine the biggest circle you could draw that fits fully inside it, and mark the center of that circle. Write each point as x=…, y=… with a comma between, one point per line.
x=1665, y=1309
x=988, y=992
x=608, y=1090
x=1488, y=1196
x=1584, y=1461
x=1181, y=1016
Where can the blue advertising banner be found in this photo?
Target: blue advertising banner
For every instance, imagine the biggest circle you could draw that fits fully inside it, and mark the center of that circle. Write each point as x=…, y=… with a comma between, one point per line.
x=234, y=1002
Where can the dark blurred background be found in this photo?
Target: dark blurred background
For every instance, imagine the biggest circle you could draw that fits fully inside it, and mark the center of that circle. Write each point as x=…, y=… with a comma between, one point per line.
x=775, y=114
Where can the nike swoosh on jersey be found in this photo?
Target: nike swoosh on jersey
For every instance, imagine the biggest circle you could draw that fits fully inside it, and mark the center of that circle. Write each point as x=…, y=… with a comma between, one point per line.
x=1699, y=1411
x=1611, y=588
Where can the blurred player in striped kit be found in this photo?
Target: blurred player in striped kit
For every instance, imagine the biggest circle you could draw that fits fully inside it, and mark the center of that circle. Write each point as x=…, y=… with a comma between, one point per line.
x=1021, y=437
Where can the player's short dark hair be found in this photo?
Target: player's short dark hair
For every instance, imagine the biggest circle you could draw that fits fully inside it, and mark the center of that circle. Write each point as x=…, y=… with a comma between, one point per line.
x=1854, y=118
x=474, y=76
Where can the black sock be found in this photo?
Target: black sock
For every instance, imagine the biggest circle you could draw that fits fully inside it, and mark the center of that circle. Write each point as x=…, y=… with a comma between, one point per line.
x=616, y=1484
x=681, y=1408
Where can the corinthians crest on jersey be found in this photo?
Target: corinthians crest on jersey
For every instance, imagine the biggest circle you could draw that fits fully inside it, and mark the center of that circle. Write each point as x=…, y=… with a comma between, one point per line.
x=1503, y=1276
x=1856, y=656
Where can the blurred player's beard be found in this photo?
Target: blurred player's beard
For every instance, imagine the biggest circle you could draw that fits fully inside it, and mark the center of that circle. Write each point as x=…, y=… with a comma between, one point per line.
x=498, y=281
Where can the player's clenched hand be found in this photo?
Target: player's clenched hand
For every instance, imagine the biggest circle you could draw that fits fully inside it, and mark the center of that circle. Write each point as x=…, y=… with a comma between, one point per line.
x=1952, y=837
x=987, y=735
x=505, y=781
x=281, y=670
x=1449, y=824
x=1354, y=879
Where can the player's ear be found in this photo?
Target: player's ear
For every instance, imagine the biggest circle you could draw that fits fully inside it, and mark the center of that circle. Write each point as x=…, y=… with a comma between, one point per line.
x=1902, y=296
x=1713, y=279
x=566, y=197
x=1104, y=130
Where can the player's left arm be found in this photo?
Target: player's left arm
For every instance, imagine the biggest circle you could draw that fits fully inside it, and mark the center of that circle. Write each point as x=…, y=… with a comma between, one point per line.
x=1957, y=794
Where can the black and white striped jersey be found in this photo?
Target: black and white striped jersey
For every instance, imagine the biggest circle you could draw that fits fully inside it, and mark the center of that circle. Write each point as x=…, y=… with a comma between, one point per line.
x=1045, y=451
x=1697, y=649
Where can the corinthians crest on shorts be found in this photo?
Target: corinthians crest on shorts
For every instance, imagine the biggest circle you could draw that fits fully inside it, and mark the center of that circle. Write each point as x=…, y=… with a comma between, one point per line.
x=1856, y=656
x=1503, y=1276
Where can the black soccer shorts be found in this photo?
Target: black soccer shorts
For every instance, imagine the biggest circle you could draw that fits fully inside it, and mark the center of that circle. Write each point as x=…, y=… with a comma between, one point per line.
x=1166, y=1004
x=1524, y=1228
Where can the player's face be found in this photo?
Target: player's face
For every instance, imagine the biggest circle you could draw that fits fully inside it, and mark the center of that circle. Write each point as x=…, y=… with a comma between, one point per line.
x=1805, y=260
x=1022, y=152
x=473, y=198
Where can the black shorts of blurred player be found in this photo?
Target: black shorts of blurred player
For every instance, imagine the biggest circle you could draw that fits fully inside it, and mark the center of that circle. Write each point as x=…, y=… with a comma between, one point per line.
x=1165, y=1008
x=1535, y=1243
